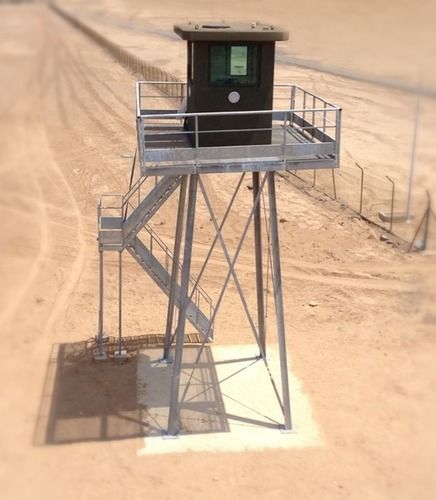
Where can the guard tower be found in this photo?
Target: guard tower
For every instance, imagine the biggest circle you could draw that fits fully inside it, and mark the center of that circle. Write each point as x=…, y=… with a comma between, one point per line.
x=228, y=117
x=231, y=68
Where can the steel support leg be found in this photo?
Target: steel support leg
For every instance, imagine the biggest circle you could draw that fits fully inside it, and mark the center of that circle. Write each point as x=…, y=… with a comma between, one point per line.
x=120, y=354
x=259, y=265
x=173, y=418
x=101, y=354
x=278, y=297
x=174, y=270
x=120, y=300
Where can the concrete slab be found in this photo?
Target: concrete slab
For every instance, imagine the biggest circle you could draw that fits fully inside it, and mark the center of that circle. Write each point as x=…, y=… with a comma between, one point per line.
x=229, y=402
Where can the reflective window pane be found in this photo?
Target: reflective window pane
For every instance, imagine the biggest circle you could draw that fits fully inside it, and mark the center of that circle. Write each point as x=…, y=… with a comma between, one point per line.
x=238, y=61
x=233, y=65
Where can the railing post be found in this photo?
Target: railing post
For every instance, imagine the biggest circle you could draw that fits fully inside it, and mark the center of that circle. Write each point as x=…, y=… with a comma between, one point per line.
x=324, y=118
x=313, y=115
x=196, y=141
x=293, y=93
x=338, y=136
x=285, y=133
x=138, y=98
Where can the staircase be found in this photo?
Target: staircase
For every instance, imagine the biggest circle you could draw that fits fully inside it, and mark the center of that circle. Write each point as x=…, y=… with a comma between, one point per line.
x=118, y=230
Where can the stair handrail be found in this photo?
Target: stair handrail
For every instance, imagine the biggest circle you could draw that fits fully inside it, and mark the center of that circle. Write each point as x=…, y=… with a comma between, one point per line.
x=132, y=191
x=198, y=288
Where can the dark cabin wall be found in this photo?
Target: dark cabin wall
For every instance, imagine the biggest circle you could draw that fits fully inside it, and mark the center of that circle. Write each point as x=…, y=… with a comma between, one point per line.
x=207, y=98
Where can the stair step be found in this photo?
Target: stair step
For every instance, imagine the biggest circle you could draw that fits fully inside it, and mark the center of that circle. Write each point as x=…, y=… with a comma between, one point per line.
x=162, y=278
x=150, y=205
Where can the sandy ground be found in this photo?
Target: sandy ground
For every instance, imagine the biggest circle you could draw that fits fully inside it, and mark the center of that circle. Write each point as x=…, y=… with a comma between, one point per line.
x=69, y=428
x=378, y=121
x=391, y=40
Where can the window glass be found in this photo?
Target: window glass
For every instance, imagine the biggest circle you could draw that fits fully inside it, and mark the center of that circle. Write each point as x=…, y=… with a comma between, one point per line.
x=233, y=65
x=217, y=57
x=238, y=60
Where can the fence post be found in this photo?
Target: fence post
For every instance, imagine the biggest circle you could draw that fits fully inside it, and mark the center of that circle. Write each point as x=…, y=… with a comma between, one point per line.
x=392, y=202
x=334, y=183
x=362, y=173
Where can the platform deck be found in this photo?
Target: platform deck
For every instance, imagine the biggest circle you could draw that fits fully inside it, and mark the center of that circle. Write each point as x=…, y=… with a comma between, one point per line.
x=305, y=132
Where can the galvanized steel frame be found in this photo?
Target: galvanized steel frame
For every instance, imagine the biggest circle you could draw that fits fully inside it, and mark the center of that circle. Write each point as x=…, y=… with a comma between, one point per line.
x=309, y=126
x=310, y=138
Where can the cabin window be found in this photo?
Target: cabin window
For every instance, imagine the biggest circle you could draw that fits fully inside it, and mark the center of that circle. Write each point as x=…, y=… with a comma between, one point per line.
x=233, y=65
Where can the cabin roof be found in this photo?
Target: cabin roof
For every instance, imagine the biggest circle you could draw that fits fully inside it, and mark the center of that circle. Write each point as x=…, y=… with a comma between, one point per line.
x=230, y=32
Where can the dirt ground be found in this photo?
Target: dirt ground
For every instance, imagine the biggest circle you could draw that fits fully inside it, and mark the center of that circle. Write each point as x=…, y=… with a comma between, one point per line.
x=69, y=427
x=395, y=50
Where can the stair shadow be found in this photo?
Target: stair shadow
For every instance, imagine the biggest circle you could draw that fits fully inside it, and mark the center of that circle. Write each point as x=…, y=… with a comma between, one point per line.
x=87, y=401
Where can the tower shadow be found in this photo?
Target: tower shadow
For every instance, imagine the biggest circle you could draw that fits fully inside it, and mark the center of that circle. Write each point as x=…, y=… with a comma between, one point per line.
x=87, y=401
x=84, y=400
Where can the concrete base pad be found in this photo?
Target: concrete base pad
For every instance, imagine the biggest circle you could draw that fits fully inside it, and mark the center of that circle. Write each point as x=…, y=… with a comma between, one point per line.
x=229, y=402
x=120, y=356
x=100, y=356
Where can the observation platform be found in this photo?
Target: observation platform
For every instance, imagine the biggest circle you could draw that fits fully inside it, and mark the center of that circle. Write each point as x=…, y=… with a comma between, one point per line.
x=305, y=134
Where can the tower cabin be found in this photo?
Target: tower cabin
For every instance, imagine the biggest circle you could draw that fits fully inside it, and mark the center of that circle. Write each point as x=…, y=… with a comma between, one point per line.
x=231, y=68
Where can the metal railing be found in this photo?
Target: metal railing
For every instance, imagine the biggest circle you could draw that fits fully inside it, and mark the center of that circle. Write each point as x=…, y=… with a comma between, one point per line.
x=294, y=95
x=116, y=206
x=200, y=296
x=173, y=90
x=110, y=205
x=308, y=129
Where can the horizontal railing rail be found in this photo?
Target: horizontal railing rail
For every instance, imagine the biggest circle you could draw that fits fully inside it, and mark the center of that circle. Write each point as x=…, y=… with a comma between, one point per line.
x=276, y=113
x=179, y=88
x=306, y=130
x=282, y=91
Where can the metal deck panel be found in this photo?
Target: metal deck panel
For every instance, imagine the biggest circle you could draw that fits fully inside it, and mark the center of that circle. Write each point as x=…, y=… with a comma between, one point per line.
x=170, y=151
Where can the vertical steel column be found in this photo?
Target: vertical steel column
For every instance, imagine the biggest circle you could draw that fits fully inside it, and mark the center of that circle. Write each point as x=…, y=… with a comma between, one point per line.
x=259, y=264
x=174, y=270
x=278, y=297
x=173, y=418
x=101, y=352
x=120, y=300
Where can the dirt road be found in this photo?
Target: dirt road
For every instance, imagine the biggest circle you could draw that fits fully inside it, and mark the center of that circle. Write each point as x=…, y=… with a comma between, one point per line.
x=365, y=355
